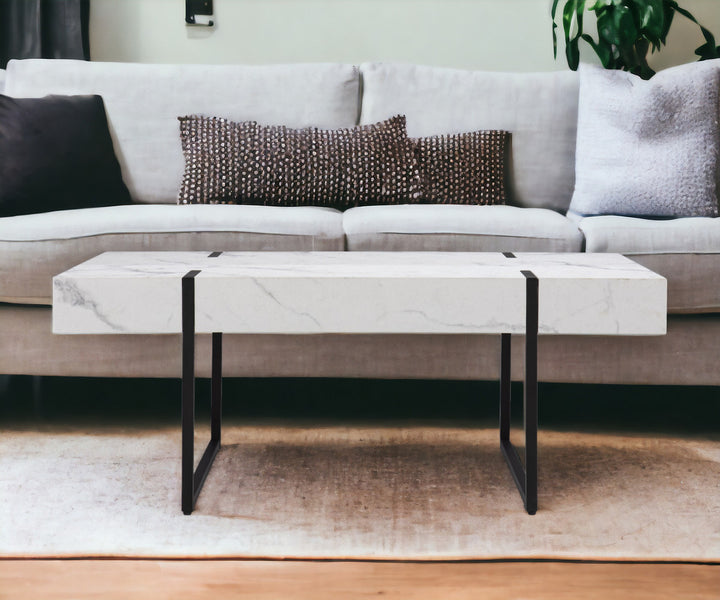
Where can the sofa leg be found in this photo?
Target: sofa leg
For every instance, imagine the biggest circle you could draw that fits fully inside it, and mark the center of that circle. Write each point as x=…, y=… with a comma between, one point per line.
x=525, y=477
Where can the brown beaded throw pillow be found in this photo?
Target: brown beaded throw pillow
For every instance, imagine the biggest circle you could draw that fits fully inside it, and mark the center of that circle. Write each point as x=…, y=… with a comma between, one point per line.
x=467, y=168
x=370, y=164
x=217, y=153
x=246, y=163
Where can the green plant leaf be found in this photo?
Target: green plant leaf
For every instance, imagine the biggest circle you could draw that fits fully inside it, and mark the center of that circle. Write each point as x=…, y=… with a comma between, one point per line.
x=651, y=18
x=616, y=26
x=600, y=4
x=669, y=12
x=627, y=29
x=573, y=13
x=708, y=50
x=572, y=53
x=569, y=11
x=685, y=13
x=579, y=14
x=553, y=10
x=604, y=52
x=554, y=27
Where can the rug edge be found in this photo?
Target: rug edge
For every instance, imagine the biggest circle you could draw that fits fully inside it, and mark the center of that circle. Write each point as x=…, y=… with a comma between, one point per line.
x=374, y=558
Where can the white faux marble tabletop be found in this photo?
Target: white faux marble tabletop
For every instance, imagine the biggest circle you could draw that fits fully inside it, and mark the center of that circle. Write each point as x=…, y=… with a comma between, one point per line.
x=360, y=292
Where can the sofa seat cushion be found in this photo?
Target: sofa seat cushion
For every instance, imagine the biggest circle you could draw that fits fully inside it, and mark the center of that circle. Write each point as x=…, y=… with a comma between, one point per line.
x=461, y=228
x=34, y=248
x=685, y=251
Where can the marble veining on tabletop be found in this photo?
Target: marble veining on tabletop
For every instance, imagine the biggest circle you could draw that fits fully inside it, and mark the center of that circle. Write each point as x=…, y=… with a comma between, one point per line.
x=359, y=292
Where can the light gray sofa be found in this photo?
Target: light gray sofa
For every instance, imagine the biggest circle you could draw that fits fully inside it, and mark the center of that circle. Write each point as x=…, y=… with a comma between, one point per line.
x=143, y=103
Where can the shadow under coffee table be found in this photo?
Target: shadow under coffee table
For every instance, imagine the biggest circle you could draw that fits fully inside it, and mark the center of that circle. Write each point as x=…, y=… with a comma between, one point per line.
x=359, y=292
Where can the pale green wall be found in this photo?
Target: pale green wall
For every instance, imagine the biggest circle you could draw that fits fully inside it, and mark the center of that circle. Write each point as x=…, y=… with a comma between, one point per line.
x=506, y=35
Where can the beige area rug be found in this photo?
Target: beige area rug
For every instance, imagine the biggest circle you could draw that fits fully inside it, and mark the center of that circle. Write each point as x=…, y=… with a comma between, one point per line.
x=371, y=493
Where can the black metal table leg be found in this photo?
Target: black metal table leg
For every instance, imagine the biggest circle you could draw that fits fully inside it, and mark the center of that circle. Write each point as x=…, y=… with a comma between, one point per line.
x=505, y=381
x=531, y=393
x=192, y=480
x=525, y=477
x=216, y=387
x=188, y=389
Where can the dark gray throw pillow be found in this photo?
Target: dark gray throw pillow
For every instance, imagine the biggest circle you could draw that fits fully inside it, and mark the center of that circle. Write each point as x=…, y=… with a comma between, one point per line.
x=56, y=154
x=466, y=168
x=244, y=163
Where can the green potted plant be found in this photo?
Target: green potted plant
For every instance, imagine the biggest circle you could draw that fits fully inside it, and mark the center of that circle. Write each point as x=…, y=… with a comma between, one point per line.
x=627, y=29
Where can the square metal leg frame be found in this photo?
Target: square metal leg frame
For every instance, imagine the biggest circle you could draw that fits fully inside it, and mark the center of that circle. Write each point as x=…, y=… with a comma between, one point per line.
x=193, y=479
x=525, y=478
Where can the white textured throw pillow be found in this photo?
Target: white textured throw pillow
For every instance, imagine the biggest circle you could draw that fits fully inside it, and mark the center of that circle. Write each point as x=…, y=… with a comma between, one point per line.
x=648, y=148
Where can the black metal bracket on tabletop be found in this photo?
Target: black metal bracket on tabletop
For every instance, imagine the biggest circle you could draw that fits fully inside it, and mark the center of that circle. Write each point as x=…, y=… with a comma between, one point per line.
x=193, y=479
x=525, y=477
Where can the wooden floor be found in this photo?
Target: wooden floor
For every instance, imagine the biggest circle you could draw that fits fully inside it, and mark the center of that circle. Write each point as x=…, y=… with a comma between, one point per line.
x=261, y=580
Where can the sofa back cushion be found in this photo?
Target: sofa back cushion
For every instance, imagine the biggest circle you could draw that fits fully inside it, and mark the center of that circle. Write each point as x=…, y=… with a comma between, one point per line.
x=538, y=109
x=144, y=101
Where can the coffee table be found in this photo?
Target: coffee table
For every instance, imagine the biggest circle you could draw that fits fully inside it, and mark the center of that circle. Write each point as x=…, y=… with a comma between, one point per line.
x=359, y=292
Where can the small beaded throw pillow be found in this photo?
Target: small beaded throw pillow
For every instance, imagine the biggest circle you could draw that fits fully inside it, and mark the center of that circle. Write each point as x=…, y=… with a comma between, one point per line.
x=245, y=163
x=467, y=168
